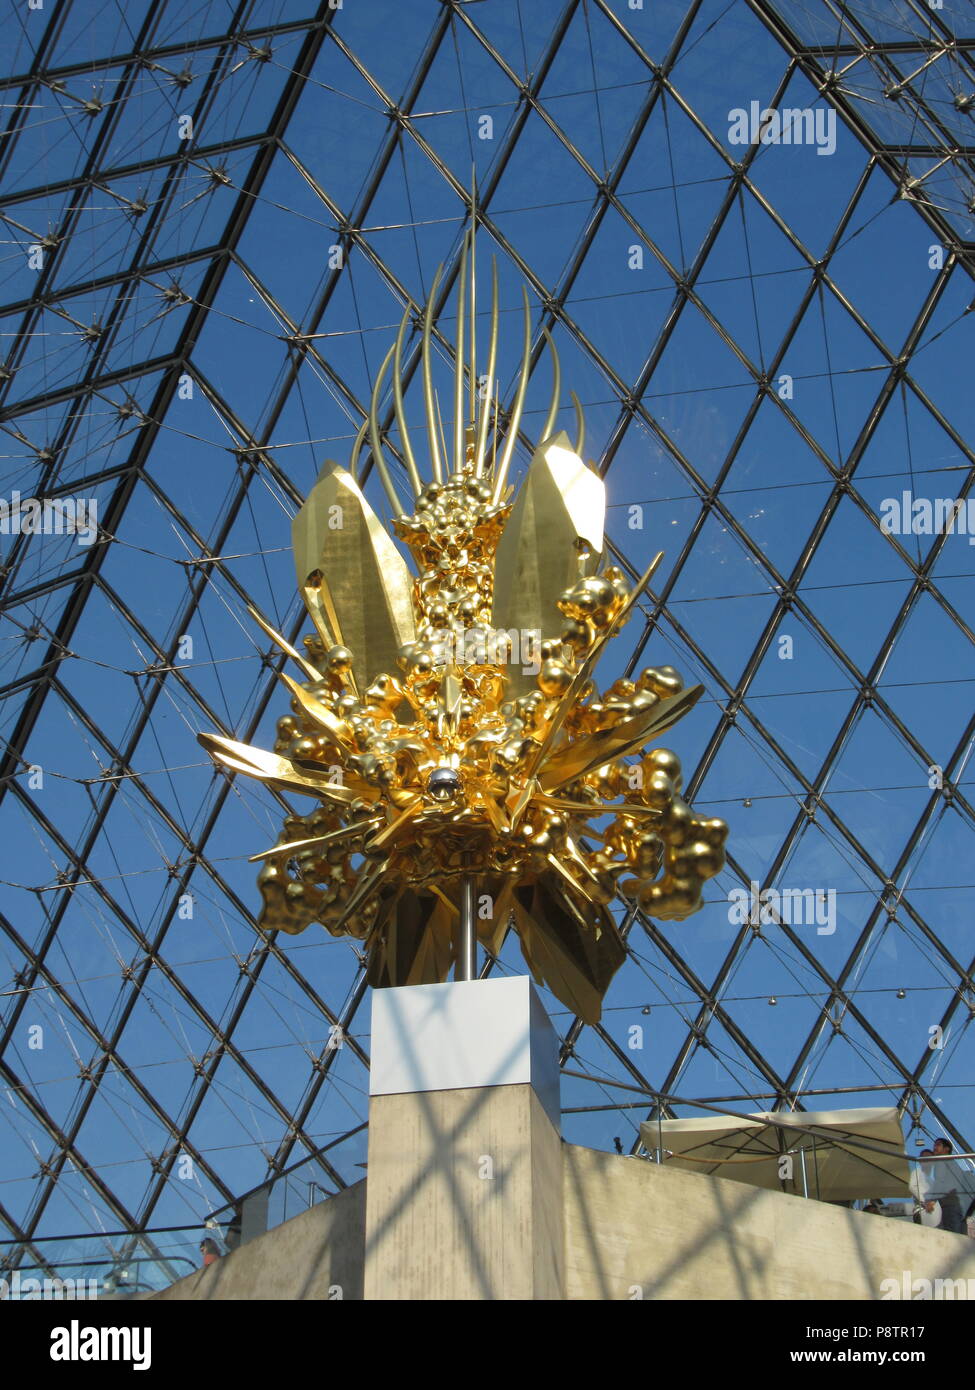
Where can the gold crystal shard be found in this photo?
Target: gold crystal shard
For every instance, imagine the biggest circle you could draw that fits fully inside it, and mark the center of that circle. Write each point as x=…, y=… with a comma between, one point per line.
x=365, y=584
x=553, y=535
x=577, y=958
x=417, y=949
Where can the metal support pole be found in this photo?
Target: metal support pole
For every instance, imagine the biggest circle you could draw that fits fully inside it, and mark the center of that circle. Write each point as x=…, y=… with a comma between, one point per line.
x=466, y=968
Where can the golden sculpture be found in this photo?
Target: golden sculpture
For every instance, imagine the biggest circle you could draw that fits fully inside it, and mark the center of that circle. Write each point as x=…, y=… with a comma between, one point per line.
x=446, y=722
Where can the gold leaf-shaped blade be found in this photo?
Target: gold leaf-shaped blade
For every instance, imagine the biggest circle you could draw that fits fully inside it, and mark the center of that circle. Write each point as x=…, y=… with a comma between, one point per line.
x=558, y=514
x=574, y=760
x=365, y=586
x=284, y=644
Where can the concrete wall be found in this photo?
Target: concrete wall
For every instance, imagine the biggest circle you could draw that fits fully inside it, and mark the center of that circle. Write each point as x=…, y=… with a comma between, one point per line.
x=464, y=1196
x=310, y=1257
x=440, y=1231
x=635, y=1229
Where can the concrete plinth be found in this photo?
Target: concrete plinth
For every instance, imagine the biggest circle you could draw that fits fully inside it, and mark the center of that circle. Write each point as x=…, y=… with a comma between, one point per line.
x=464, y=1192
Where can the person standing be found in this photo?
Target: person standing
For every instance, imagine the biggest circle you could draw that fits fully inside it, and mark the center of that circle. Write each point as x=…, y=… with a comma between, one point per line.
x=947, y=1187
x=927, y=1212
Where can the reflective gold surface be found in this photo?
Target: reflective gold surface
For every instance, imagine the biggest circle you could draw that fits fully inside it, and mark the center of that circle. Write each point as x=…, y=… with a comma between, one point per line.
x=447, y=724
x=554, y=536
x=362, y=582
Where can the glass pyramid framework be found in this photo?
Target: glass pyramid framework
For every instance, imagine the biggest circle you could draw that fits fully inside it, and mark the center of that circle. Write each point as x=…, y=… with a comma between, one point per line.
x=213, y=216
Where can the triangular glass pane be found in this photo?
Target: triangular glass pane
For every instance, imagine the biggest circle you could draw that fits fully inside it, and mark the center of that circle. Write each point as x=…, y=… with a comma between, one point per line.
x=809, y=190
x=865, y=276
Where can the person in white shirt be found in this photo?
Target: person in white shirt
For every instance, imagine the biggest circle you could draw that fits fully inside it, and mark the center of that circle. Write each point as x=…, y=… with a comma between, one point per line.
x=927, y=1211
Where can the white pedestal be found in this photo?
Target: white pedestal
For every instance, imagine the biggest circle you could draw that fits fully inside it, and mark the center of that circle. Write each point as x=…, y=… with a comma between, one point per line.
x=463, y=1034
x=464, y=1190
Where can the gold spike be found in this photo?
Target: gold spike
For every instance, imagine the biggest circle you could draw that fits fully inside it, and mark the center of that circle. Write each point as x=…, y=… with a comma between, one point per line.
x=580, y=861
x=368, y=879
x=518, y=798
x=336, y=729
x=428, y=381
x=574, y=760
x=597, y=808
x=385, y=837
x=452, y=908
x=580, y=424
x=511, y=439
x=321, y=610
x=459, y=362
x=496, y=814
x=586, y=670
x=318, y=599
x=450, y=700
x=318, y=602
x=310, y=671
x=377, y=448
x=496, y=386
x=564, y=874
x=443, y=436
x=553, y=407
x=361, y=433
x=485, y=415
x=268, y=767
x=622, y=615
x=473, y=366
x=404, y=433
x=345, y=832
x=312, y=594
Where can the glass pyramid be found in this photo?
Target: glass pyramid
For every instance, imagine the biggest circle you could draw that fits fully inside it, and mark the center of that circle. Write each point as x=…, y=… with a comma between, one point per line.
x=750, y=228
